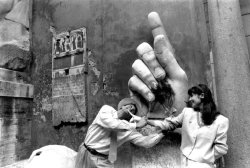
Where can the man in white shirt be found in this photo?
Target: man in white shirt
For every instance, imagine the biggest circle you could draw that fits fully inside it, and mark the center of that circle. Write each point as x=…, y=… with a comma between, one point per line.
x=95, y=149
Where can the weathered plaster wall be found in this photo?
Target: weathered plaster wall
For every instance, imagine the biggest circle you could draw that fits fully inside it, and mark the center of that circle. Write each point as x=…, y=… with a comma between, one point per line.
x=114, y=30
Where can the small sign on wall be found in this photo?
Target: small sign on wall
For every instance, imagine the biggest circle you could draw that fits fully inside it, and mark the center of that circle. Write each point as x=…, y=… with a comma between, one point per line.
x=69, y=70
x=67, y=43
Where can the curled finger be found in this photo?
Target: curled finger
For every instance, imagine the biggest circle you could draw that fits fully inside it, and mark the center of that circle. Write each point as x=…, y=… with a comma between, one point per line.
x=135, y=84
x=146, y=53
x=142, y=71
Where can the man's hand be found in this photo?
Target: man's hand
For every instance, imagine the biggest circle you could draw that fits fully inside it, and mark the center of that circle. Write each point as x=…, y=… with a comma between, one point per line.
x=157, y=68
x=141, y=123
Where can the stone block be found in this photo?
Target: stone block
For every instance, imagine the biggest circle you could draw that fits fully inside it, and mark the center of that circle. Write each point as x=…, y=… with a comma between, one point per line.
x=13, y=57
x=13, y=89
x=13, y=76
x=15, y=129
x=69, y=96
x=10, y=105
x=15, y=137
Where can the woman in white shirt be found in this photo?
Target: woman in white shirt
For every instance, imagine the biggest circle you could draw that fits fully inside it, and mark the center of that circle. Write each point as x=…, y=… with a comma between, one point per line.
x=204, y=129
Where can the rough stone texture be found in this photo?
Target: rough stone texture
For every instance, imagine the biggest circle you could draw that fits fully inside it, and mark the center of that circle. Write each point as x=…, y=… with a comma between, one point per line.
x=15, y=124
x=14, y=32
x=15, y=88
x=13, y=57
x=245, y=14
x=20, y=13
x=232, y=70
x=69, y=73
x=15, y=116
x=114, y=29
x=19, y=164
x=69, y=98
x=11, y=89
x=5, y=7
x=160, y=155
x=14, y=76
x=14, y=46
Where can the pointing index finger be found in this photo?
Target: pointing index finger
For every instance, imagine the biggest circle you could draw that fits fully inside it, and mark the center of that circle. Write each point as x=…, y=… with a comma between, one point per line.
x=157, y=27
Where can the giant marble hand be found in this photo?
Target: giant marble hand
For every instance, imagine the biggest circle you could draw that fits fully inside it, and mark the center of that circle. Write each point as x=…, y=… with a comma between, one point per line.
x=157, y=75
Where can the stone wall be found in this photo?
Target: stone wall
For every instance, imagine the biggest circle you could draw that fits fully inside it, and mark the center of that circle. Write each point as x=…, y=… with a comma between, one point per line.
x=245, y=14
x=114, y=30
x=15, y=117
x=16, y=90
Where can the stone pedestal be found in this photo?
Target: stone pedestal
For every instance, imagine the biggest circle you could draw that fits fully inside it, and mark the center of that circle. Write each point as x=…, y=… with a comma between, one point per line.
x=16, y=92
x=15, y=116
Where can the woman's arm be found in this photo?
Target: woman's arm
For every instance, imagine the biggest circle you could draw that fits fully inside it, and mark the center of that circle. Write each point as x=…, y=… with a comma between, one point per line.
x=220, y=143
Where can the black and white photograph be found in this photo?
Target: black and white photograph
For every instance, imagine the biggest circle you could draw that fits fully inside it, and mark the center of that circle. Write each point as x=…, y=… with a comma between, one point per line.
x=124, y=83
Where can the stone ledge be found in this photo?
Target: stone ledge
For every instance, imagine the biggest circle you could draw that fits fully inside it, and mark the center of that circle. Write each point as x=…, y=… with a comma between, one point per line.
x=13, y=76
x=14, y=89
x=19, y=164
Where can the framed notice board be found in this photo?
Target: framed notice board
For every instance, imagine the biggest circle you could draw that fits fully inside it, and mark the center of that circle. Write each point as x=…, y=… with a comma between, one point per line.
x=69, y=70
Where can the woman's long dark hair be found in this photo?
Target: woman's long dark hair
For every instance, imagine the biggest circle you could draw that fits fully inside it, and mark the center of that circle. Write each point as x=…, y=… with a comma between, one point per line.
x=209, y=112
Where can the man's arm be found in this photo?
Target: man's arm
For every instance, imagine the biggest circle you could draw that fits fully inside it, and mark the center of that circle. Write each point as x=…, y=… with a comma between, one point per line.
x=108, y=120
x=169, y=123
x=159, y=123
x=220, y=143
x=145, y=141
